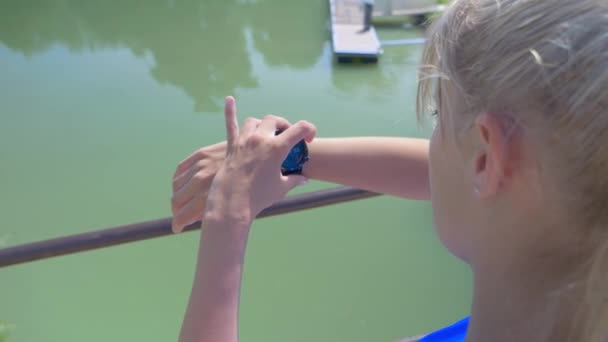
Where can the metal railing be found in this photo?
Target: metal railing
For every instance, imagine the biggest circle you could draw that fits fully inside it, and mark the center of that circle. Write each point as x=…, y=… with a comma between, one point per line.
x=162, y=227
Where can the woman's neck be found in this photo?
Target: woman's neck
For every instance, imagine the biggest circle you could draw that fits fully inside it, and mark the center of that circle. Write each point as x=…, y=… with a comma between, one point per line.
x=524, y=305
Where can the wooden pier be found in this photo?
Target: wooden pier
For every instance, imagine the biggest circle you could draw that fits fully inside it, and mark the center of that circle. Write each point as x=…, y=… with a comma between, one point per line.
x=350, y=44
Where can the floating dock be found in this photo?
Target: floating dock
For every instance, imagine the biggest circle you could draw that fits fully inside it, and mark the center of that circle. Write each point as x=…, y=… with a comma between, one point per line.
x=350, y=44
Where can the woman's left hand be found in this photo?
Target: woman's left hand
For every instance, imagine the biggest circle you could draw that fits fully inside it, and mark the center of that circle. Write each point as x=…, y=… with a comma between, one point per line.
x=250, y=179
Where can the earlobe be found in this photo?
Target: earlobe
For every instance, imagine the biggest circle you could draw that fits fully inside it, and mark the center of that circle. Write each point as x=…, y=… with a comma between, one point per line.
x=479, y=175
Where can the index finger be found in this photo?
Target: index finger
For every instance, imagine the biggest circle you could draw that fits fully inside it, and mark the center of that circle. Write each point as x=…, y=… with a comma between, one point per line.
x=302, y=130
x=232, y=124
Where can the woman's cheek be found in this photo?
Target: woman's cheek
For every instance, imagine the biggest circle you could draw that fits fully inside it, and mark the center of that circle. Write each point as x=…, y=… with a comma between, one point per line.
x=442, y=194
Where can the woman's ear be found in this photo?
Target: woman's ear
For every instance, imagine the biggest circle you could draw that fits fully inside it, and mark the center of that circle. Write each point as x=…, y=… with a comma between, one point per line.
x=490, y=158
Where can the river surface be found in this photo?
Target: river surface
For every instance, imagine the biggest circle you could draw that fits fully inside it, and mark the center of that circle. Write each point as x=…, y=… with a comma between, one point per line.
x=99, y=100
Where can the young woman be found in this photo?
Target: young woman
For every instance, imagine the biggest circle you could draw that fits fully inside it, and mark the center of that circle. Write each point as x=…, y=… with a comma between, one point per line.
x=515, y=170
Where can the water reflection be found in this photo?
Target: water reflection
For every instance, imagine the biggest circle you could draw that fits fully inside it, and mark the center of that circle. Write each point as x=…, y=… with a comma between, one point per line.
x=198, y=46
x=376, y=80
x=290, y=35
x=397, y=67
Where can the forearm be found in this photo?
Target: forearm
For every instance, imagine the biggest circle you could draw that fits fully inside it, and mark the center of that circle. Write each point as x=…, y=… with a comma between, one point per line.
x=393, y=166
x=212, y=313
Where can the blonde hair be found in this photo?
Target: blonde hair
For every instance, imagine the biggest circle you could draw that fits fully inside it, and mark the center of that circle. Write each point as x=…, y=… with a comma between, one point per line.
x=544, y=65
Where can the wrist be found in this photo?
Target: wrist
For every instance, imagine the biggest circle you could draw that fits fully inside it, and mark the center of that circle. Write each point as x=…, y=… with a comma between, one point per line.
x=227, y=203
x=233, y=219
x=308, y=169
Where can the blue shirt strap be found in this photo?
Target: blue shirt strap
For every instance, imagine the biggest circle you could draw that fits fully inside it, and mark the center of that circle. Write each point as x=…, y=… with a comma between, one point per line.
x=456, y=332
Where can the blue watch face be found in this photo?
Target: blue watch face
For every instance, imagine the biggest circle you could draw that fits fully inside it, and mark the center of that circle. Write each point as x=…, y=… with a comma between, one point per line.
x=296, y=158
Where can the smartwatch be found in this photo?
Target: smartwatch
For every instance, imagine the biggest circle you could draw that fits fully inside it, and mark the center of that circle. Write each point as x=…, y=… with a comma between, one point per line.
x=295, y=160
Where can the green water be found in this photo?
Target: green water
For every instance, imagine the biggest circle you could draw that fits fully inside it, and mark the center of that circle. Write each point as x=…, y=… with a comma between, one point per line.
x=100, y=100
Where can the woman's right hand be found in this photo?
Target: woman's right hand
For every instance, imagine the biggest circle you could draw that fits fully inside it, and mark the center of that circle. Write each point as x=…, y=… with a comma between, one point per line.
x=191, y=183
